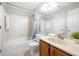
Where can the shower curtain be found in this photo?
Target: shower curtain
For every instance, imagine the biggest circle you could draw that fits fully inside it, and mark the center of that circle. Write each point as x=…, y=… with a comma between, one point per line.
x=36, y=26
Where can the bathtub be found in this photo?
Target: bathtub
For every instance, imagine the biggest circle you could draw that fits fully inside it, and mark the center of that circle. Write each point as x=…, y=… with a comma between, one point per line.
x=13, y=46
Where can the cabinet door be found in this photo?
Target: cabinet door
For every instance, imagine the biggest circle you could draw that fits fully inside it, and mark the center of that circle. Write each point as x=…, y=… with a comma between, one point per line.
x=44, y=49
x=52, y=49
x=60, y=53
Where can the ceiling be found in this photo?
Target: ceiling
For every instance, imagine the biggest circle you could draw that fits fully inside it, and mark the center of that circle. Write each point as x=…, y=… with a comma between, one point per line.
x=26, y=5
x=35, y=6
x=60, y=6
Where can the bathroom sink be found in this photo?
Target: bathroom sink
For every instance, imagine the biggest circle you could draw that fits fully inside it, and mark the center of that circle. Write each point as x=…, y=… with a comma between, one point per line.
x=62, y=42
x=57, y=40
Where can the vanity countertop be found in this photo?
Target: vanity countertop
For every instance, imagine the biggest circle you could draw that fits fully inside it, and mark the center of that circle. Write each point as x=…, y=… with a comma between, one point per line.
x=70, y=49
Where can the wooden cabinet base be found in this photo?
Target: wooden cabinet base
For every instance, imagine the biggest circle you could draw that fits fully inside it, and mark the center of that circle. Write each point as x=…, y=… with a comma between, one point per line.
x=49, y=50
x=52, y=50
x=60, y=53
x=44, y=49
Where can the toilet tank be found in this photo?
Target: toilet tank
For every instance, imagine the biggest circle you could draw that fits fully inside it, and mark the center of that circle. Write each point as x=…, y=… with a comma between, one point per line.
x=37, y=37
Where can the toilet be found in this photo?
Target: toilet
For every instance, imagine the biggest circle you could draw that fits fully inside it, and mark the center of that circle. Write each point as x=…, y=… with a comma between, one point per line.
x=34, y=45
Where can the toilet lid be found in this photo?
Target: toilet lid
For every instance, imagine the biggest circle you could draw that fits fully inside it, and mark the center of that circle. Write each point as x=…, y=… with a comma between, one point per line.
x=32, y=43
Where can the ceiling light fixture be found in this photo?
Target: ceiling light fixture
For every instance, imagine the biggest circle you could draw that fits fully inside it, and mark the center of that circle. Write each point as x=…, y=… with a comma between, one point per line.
x=52, y=5
x=49, y=6
x=44, y=7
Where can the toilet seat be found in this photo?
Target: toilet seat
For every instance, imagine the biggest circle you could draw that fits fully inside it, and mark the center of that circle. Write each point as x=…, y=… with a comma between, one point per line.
x=33, y=43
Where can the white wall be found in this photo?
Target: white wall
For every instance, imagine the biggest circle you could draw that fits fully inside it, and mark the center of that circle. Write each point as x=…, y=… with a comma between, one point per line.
x=73, y=20
x=45, y=25
x=59, y=22
x=2, y=30
x=62, y=19
x=55, y=23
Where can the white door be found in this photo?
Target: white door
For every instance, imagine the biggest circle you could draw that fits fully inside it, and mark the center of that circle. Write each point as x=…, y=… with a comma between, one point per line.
x=2, y=29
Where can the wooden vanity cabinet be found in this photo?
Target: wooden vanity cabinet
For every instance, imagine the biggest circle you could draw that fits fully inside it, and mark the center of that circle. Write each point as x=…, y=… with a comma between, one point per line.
x=57, y=52
x=52, y=50
x=44, y=49
x=49, y=50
